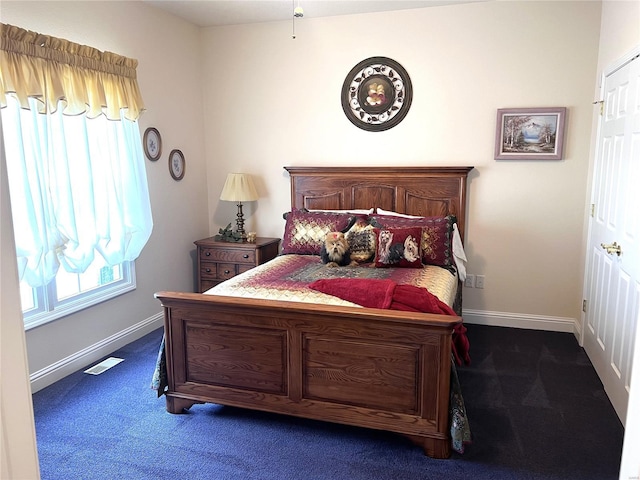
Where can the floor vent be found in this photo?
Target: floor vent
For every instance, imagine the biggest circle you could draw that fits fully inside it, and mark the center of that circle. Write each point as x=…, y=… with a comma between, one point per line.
x=104, y=365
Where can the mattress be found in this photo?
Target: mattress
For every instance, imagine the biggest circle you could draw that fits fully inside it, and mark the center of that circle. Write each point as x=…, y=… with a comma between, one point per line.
x=287, y=277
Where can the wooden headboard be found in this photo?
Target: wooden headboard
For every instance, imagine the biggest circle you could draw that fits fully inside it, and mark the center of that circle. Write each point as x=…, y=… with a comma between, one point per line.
x=424, y=191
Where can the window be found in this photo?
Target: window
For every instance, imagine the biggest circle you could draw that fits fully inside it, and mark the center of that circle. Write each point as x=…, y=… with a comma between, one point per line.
x=80, y=208
x=77, y=179
x=71, y=292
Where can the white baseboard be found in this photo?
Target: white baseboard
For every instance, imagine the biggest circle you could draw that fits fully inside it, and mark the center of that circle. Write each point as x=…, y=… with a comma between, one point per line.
x=519, y=320
x=57, y=371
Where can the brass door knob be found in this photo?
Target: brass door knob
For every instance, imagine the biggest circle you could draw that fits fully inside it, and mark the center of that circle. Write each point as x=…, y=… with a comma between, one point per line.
x=612, y=248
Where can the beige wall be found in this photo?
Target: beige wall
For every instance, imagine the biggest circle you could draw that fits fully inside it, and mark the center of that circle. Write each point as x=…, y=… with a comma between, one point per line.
x=269, y=101
x=273, y=101
x=169, y=74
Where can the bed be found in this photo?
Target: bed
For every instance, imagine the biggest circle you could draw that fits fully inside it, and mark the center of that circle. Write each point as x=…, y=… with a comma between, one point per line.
x=376, y=368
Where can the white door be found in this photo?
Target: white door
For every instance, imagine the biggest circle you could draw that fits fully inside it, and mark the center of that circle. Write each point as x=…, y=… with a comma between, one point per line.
x=613, y=281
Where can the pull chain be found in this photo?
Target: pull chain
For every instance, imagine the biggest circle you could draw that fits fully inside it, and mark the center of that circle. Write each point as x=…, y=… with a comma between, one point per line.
x=297, y=12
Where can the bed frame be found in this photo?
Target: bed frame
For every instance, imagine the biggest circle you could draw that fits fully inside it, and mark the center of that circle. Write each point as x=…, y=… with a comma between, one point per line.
x=380, y=369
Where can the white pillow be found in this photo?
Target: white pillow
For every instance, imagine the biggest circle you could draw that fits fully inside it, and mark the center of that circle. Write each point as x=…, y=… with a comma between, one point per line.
x=396, y=214
x=354, y=211
x=459, y=257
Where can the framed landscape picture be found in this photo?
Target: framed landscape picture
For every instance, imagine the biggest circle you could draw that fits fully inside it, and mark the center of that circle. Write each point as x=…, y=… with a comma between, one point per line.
x=530, y=133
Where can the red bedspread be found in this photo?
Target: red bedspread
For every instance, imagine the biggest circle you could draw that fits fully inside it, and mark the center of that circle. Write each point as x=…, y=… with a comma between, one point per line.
x=387, y=294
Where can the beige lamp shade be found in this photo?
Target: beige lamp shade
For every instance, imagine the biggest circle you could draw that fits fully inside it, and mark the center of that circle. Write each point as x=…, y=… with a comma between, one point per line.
x=239, y=188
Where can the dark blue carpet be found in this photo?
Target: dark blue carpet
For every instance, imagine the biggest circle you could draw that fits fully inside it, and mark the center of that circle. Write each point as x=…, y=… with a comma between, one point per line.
x=536, y=407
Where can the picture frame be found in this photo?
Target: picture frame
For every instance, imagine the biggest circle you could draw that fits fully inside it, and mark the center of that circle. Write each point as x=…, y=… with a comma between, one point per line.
x=177, y=165
x=152, y=144
x=376, y=94
x=530, y=133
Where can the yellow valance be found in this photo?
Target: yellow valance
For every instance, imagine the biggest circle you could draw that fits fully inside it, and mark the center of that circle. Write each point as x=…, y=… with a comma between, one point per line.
x=52, y=70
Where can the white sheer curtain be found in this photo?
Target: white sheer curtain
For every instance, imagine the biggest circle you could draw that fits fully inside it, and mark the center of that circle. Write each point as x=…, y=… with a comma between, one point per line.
x=77, y=182
x=78, y=188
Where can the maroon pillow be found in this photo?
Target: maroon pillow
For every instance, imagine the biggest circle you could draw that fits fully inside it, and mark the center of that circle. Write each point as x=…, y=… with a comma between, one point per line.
x=437, y=235
x=398, y=247
x=304, y=231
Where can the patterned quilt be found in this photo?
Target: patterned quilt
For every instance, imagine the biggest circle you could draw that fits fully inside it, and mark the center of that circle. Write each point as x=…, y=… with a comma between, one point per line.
x=287, y=278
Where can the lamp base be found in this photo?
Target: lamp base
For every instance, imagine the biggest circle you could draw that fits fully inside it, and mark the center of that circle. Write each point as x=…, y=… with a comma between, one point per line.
x=240, y=223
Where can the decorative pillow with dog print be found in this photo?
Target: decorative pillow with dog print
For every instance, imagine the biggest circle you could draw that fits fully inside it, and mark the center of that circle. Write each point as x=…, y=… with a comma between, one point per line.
x=437, y=235
x=398, y=247
x=362, y=240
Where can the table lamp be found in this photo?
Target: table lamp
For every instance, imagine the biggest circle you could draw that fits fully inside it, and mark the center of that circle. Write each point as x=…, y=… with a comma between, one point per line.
x=239, y=188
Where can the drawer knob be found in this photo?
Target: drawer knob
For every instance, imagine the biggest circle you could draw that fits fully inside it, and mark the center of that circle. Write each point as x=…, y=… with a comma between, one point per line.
x=208, y=254
x=208, y=270
x=227, y=272
x=246, y=255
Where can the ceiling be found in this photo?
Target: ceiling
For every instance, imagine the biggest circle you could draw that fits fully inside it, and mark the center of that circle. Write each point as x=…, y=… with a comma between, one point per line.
x=208, y=13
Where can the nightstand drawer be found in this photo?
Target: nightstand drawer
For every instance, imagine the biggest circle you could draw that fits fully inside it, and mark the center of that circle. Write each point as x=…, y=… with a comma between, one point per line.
x=209, y=270
x=219, y=271
x=228, y=255
x=226, y=271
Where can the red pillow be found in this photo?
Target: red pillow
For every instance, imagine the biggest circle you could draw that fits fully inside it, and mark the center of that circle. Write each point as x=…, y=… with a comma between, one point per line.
x=437, y=235
x=398, y=247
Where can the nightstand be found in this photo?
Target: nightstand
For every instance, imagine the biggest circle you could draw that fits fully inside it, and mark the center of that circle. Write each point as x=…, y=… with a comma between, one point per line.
x=219, y=261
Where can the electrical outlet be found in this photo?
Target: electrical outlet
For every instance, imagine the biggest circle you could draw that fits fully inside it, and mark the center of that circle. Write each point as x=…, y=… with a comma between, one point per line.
x=469, y=280
x=479, y=281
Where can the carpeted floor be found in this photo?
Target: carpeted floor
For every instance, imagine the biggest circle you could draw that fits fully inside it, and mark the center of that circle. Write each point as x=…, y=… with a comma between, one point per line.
x=536, y=407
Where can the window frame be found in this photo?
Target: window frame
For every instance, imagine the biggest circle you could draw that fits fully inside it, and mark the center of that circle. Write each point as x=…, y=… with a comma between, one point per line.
x=48, y=308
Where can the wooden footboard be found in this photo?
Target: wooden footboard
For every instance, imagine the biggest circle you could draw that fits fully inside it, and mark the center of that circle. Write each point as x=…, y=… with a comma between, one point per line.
x=381, y=369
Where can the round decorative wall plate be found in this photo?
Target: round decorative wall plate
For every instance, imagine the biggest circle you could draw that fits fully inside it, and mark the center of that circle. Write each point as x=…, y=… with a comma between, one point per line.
x=152, y=143
x=377, y=94
x=176, y=164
